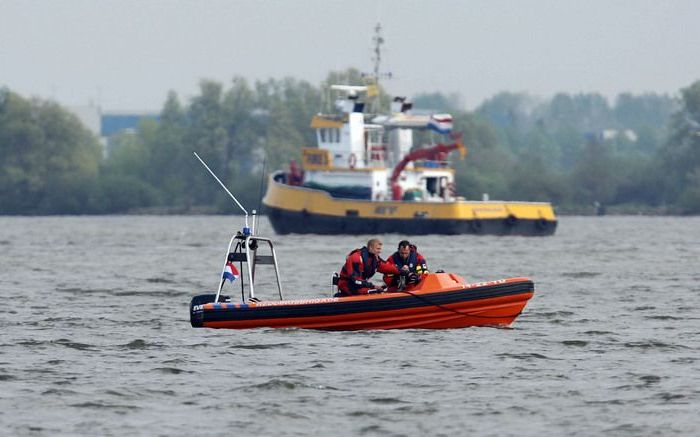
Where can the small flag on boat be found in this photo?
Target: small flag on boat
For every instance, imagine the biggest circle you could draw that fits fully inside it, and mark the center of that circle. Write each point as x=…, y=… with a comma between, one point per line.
x=441, y=123
x=231, y=272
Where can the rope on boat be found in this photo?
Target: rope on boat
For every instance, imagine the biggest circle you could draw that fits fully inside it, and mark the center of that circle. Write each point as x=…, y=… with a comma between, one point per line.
x=421, y=298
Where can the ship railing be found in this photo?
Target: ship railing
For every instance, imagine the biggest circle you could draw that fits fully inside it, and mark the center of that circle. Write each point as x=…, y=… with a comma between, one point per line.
x=377, y=155
x=429, y=163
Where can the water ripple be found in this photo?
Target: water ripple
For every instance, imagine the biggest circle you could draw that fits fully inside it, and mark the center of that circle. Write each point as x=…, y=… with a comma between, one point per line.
x=579, y=275
x=652, y=344
x=387, y=401
x=101, y=405
x=285, y=384
x=525, y=356
x=140, y=344
x=171, y=370
x=578, y=343
x=75, y=345
x=260, y=346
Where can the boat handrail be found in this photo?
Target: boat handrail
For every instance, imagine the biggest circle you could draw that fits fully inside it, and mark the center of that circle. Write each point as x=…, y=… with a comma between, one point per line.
x=245, y=243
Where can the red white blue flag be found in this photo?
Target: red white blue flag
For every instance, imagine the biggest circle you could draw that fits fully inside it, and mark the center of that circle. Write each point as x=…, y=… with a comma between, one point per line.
x=231, y=272
x=441, y=123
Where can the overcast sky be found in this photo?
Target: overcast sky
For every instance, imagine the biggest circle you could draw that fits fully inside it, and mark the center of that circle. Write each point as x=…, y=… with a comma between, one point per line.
x=126, y=55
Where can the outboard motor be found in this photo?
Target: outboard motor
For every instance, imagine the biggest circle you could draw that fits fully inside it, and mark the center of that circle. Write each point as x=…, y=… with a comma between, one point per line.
x=334, y=285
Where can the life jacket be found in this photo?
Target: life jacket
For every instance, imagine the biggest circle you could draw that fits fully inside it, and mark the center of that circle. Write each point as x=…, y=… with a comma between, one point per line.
x=369, y=264
x=353, y=276
x=411, y=262
x=415, y=263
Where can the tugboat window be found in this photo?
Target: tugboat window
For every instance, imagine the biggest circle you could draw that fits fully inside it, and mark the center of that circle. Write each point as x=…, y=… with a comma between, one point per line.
x=431, y=185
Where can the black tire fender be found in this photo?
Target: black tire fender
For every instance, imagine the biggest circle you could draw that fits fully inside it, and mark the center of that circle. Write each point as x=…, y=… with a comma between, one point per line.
x=476, y=225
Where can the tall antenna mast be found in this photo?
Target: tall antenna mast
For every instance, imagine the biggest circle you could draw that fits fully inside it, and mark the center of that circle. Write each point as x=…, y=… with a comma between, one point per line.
x=246, y=229
x=376, y=74
x=378, y=41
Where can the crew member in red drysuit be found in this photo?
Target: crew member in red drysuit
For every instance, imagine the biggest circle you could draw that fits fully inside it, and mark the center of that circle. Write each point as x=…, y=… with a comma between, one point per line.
x=295, y=176
x=360, y=265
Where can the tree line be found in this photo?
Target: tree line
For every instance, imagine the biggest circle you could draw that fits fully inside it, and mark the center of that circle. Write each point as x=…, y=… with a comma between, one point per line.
x=640, y=153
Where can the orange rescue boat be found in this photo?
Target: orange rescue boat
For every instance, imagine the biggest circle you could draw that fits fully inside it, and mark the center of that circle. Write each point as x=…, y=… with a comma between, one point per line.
x=440, y=300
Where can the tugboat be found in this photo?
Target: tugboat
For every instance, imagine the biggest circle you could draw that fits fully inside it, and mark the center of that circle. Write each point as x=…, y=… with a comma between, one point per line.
x=368, y=172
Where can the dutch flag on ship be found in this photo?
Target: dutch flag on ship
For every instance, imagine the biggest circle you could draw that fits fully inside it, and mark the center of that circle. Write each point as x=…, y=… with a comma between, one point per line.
x=230, y=272
x=441, y=123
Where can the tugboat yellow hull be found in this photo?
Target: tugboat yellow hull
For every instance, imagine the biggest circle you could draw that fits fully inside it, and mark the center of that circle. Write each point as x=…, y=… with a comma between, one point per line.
x=299, y=210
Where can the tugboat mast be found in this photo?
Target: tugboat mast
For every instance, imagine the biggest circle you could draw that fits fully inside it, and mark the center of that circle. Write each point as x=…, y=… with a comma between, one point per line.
x=378, y=41
x=373, y=78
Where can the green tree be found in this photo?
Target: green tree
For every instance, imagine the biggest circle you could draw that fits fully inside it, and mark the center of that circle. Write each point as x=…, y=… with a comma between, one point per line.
x=681, y=153
x=49, y=160
x=509, y=111
x=689, y=201
x=595, y=179
x=641, y=181
x=171, y=157
x=646, y=110
x=438, y=102
x=127, y=174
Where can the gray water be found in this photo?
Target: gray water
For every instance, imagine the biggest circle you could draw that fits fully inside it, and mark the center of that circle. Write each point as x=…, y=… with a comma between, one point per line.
x=95, y=336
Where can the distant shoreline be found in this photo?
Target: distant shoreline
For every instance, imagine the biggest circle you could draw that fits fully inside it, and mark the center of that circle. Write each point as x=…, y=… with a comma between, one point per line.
x=583, y=211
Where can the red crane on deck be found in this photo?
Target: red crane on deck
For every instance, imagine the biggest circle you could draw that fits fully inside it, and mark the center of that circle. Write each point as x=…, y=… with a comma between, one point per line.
x=436, y=153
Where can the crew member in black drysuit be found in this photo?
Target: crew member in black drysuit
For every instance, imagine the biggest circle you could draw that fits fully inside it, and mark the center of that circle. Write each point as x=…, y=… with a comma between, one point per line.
x=409, y=262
